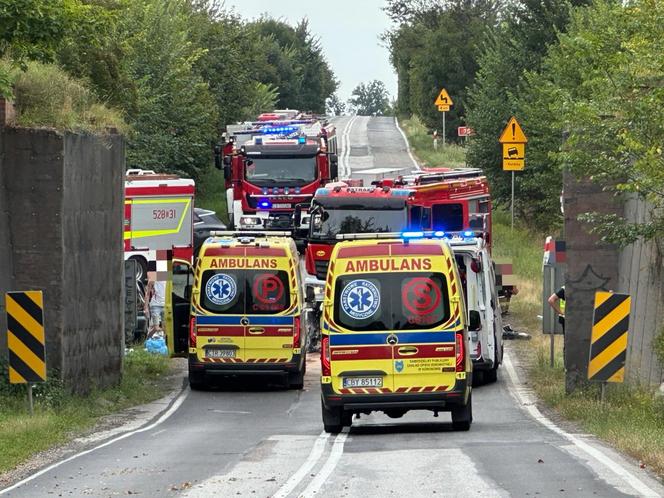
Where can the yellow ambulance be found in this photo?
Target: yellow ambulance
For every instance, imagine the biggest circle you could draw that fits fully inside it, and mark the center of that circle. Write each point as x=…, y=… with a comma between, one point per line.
x=394, y=330
x=247, y=309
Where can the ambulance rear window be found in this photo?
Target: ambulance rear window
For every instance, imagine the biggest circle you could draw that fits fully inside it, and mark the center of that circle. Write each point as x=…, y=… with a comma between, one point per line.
x=251, y=292
x=391, y=301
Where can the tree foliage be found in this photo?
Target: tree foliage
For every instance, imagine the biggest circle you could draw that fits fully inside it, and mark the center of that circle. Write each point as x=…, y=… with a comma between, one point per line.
x=371, y=98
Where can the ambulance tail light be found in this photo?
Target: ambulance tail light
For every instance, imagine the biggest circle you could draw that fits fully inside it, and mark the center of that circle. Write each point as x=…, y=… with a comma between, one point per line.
x=192, y=332
x=460, y=353
x=326, y=370
x=296, y=332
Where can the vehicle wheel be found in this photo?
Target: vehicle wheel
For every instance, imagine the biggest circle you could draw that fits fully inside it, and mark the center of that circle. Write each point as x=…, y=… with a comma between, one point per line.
x=296, y=379
x=462, y=416
x=347, y=419
x=478, y=377
x=332, y=419
x=142, y=271
x=491, y=376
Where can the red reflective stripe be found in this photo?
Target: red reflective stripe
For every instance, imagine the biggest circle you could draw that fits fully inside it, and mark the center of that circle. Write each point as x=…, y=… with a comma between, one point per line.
x=230, y=331
x=445, y=350
x=265, y=251
x=165, y=190
x=410, y=249
x=354, y=252
x=224, y=251
x=362, y=353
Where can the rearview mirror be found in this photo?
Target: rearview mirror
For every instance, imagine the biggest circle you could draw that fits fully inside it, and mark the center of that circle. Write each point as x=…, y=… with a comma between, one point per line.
x=311, y=295
x=297, y=216
x=475, y=323
x=334, y=167
x=217, y=157
x=187, y=292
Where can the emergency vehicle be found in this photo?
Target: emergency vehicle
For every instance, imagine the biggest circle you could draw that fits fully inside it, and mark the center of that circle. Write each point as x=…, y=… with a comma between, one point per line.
x=274, y=164
x=158, y=214
x=478, y=280
x=394, y=330
x=247, y=309
x=340, y=209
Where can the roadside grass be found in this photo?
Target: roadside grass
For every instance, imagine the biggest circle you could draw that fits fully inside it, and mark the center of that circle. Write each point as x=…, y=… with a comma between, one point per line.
x=421, y=142
x=211, y=192
x=60, y=416
x=631, y=417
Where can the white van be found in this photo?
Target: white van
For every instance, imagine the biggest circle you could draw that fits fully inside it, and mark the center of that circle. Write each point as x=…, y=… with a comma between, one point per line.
x=478, y=279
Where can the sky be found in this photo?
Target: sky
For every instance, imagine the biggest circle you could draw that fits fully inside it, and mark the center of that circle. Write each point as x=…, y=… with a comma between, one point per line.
x=349, y=31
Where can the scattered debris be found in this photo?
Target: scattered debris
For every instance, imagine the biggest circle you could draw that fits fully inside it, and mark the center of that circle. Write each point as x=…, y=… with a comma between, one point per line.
x=511, y=334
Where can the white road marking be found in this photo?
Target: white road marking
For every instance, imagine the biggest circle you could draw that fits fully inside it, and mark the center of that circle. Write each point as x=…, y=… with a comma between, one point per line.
x=154, y=434
x=345, y=147
x=174, y=407
x=527, y=403
x=231, y=412
x=305, y=468
x=329, y=465
x=405, y=139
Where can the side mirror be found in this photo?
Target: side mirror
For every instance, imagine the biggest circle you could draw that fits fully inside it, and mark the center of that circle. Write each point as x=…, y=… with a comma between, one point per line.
x=227, y=172
x=311, y=295
x=187, y=292
x=475, y=323
x=217, y=157
x=334, y=166
x=297, y=216
x=476, y=265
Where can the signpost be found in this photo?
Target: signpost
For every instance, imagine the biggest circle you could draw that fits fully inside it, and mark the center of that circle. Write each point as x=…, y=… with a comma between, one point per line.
x=443, y=102
x=26, y=339
x=514, y=142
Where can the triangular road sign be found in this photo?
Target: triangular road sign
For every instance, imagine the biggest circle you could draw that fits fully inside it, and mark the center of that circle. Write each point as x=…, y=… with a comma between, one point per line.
x=513, y=134
x=443, y=98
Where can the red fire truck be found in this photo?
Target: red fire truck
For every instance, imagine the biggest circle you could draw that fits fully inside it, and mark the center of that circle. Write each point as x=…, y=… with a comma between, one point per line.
x=159, y=210
x=274, y=164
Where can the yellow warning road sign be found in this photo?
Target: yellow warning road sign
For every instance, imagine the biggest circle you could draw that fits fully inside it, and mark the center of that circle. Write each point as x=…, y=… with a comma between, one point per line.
x=443, y=101
x=513, y=134
x=514, y=157
x=608, y=342
x=25, y=337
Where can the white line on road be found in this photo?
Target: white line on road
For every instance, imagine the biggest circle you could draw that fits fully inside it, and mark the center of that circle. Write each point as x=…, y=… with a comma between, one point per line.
x=173, y=408
x=305, y=468
x=405, y=139
x=332, y=461
x=528, y=404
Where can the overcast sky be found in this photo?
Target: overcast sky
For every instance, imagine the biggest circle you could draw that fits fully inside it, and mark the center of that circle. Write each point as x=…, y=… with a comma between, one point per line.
x=349, y=31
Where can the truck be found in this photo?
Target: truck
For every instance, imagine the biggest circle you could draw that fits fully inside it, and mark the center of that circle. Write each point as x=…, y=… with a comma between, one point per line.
x=274, y=164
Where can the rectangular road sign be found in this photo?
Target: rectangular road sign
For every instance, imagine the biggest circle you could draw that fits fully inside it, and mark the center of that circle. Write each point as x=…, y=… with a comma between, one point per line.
x=514, y=156
x=608, y=342
x=25, y=337
x=443, y=108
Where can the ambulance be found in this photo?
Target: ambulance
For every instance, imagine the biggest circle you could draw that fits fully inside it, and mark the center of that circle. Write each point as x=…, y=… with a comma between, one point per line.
x=247, y=313
x=394, y=330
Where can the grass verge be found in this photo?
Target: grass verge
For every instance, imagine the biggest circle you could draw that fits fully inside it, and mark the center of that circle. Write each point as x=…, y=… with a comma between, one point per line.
x=631, y=418
x=59, y=416
x=421, y=142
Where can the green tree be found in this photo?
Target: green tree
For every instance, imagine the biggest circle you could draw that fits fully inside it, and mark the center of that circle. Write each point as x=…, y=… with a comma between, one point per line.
x=335, y=105
x=370, y=98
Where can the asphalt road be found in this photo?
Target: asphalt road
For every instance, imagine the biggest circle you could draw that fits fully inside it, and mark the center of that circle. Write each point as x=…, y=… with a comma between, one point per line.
x=249, y=439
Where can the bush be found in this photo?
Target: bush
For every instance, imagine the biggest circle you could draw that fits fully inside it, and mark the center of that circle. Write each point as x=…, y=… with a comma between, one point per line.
x=46, y=96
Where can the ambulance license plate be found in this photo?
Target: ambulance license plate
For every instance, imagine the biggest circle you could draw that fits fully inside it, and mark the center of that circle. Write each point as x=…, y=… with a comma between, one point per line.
x=281, y=206
x=220, y=353
x=363, y=382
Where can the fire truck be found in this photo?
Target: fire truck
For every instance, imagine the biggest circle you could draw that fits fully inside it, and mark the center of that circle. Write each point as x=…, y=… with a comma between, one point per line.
x=274, y=164
x=158, y=215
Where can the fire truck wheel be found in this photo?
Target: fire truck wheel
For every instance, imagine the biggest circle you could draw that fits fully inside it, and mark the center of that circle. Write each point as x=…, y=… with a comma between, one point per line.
x=142, y=272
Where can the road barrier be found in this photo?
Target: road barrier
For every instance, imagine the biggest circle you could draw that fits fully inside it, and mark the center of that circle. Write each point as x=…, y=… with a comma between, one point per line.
x=608, y=343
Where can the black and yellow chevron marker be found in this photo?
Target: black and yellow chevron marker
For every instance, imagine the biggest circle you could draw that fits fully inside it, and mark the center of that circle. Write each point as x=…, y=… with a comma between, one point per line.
x=25, y=337
x=608, y=342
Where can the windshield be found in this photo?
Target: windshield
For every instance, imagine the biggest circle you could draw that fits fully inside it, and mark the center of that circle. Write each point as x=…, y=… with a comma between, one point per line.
x=256, y=292
x=283, y=171
x=334, y=221
x=391, y=301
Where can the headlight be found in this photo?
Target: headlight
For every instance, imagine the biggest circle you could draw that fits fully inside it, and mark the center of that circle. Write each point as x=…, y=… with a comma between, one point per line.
x=250, y=221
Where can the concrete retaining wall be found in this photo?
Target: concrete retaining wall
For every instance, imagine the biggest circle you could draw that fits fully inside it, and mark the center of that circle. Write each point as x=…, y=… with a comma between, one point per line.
x=64, y=209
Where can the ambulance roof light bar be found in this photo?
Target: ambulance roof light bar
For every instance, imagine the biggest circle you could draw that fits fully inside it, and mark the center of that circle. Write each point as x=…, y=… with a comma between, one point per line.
x=410, y=235
x=249, y=233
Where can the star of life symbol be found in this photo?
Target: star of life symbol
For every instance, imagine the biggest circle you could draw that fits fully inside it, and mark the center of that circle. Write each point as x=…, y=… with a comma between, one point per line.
x=221, y=289
x=360, y=299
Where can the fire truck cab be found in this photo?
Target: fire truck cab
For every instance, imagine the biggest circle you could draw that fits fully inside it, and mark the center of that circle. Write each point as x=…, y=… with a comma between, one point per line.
x=273, y=165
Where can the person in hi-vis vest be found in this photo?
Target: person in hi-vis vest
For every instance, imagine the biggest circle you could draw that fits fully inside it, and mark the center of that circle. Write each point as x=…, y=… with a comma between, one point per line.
x=557, y=302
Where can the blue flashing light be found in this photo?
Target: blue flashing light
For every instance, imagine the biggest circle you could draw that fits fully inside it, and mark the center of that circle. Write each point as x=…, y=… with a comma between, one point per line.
x=297, y=190
x=275, y=190
x=439, y=233
x=323, y=191
x=258, y=140
x=468, y=233
x=412, y=235
x=265, y=191
x=286, y=190
x=264, y=204
x=279, y=130
x=302, y=140
x=398, y=192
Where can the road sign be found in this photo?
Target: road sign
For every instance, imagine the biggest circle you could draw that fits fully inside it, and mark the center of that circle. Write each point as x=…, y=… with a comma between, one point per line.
x=443, y=101
x=608, y=342
x=25, y=337
x=514, y=156
x=513, y=134
x=465, y=131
